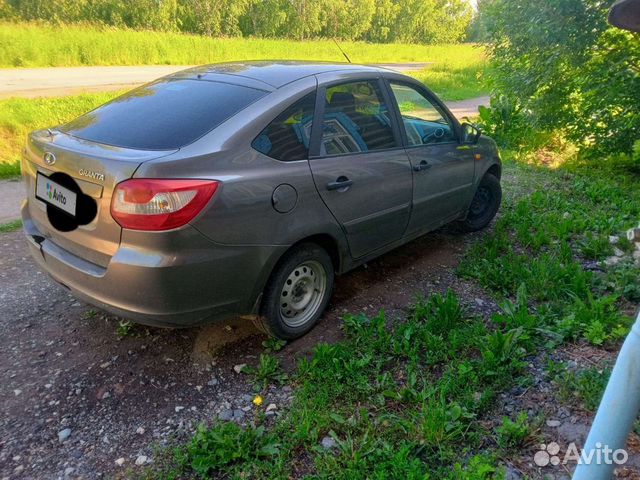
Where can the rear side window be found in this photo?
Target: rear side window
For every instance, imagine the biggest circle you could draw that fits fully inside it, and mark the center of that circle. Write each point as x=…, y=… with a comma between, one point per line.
x=287, y=137
x=163, y=115
x=356, y=119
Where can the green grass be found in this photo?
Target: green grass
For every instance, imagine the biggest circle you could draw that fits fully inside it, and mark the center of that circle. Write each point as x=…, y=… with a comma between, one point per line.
x=583, y=388
x=19, y=116
x=412, y=398
x=458, y=73
x=11, y=226
x=401, y=403
x=35, y=45
x=545, y=236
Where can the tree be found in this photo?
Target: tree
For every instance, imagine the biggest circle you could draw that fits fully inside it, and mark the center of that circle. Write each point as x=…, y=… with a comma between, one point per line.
x=348, y=19
x=562, y=62
x=264, y=18
x=383, y=21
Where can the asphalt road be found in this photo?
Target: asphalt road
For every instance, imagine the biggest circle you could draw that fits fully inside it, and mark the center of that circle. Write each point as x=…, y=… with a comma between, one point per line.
x=58, y=81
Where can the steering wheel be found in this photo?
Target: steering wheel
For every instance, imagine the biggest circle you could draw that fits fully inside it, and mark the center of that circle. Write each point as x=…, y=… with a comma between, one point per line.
x=437, y=134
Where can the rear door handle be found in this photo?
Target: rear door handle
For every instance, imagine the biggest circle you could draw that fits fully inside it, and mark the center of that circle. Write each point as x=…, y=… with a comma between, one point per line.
x=423, y=165
x=341, y=182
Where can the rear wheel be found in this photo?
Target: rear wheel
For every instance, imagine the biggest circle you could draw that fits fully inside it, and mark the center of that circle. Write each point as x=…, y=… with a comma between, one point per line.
x=485, y=204
x=297, y=292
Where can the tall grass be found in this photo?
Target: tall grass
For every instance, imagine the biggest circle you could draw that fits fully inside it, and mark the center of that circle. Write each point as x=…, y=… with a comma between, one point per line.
x=19, y=116
x=35, y=45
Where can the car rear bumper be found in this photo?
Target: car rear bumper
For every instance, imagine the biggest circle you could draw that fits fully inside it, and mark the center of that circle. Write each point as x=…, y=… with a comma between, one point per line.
x=171, y=279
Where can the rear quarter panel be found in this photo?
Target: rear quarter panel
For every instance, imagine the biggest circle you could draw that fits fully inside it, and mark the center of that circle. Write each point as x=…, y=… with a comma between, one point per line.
x=242, y=212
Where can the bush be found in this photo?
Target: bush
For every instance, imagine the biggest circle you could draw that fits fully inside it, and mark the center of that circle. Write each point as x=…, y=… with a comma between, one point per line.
x=551, y=60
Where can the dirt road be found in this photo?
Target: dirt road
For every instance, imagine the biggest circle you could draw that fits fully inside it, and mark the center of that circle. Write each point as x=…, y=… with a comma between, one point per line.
x=59, y=81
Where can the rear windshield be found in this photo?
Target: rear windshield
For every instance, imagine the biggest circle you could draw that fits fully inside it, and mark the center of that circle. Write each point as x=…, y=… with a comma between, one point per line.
x=163, y=115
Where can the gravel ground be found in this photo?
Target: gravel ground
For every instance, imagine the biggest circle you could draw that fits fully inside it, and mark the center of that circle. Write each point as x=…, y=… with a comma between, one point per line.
x=78, y=401
x=11, y=196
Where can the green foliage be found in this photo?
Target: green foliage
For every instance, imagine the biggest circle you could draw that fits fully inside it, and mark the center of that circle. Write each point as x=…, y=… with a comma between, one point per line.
x=502, y=352
x=549, y=62
x=513, y=434
x=533, y=250
x=268, y=371
x=595, y=246
x=224, y=445
x=583, y=388
x=9, y=169
x=622, y=279
x=596, y=318
x=125, y=328
x=442, y=314
x=430, y=21
x=273, y=344
x=11, y=226
x=400, y=402
x=479, y=468
x=503, y=120
x=44, y=45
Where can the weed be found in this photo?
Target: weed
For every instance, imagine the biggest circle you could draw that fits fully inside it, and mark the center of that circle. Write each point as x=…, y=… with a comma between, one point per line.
x=268, y=371
x=89, y=314
x=125, y=328
x=224, y=445
x=502, y=353
x=622, y=279
x=595, y=318
x=273, y=344
x=581, y=387
x=595, y=246
x=442, y=314
x=11, y=226
x=512, y=434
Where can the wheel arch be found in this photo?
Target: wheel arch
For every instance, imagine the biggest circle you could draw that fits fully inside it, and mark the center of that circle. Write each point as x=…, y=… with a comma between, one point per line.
x=326, y=241
x=494, y=169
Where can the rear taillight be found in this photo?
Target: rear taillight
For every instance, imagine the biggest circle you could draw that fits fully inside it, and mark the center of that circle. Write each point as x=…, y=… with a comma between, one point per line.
x=155, y=204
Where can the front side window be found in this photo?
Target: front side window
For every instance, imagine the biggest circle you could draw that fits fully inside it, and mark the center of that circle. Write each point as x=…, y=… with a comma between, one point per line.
x=356, y=119
x=423, y=121
x=287, y=137
x=163, y=115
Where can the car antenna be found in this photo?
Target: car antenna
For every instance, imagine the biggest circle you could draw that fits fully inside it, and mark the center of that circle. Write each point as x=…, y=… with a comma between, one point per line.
x=342, y=51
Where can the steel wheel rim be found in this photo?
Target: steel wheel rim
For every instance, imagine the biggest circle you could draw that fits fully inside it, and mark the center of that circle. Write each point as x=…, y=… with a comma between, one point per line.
x=481, y=201
x=302, y=293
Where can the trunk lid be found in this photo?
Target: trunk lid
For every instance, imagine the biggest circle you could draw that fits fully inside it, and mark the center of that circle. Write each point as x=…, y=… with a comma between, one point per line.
x=93, y=170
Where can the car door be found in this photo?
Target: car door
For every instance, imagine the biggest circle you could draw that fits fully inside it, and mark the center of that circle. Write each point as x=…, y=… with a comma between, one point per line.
x=358, y=164
x=442, y=168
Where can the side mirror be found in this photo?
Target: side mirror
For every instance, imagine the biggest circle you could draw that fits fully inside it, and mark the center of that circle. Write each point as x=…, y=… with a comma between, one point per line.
x=470, y=133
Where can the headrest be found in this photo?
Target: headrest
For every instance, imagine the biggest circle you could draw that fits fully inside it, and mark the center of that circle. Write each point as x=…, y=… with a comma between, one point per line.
x=344, y=101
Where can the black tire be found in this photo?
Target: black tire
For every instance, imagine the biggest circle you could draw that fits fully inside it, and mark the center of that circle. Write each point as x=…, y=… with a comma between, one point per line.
x=304, y=259
x=484, y=206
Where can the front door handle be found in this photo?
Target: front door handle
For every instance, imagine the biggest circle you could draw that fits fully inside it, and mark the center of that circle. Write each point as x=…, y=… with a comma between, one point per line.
x=423, y=165
x=341, y=183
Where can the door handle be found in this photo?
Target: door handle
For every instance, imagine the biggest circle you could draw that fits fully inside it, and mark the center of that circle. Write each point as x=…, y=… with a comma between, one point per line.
x=423, y=165
x=341, y=182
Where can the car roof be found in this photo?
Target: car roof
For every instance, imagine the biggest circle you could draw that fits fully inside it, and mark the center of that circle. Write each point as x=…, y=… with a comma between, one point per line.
x=274, y=73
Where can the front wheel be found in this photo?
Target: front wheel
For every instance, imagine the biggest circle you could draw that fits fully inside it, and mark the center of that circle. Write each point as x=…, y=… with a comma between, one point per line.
x=297, y=292
x=485, y=204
